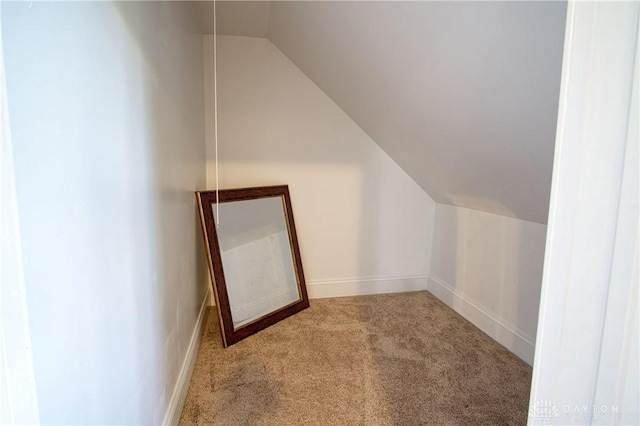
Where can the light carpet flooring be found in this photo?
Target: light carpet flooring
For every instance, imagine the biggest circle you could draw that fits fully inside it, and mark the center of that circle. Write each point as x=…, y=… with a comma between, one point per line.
x=398, y=359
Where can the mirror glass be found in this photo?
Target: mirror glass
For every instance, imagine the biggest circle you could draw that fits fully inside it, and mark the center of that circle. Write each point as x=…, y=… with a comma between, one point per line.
x=256, y=257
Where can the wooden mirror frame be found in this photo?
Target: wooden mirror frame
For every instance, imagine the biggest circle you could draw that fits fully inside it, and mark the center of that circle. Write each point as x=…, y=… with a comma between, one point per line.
x=206, y=201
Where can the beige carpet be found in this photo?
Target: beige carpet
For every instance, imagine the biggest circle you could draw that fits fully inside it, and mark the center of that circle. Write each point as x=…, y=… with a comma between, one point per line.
x=401, y=359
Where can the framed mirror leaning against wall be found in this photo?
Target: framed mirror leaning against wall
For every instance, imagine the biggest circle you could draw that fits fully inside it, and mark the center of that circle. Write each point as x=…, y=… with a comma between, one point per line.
x=254, y=258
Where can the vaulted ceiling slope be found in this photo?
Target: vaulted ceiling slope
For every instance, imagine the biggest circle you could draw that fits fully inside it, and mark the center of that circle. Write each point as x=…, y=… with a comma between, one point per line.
x=462, y=95
x=239, y=18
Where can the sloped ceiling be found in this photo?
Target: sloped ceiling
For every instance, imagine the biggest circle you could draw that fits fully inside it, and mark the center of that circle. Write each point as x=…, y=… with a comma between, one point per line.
x=239, y=18
x=462, y=95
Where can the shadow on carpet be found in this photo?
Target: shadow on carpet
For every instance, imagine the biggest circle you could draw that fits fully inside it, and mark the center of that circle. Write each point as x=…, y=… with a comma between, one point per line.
x=397, y=359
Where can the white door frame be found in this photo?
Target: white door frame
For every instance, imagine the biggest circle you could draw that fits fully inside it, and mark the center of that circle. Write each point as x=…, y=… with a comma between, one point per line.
x=586, y=361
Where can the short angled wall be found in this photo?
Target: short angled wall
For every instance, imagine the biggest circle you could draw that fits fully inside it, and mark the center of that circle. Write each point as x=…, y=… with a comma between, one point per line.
x=488, y=268
x=497, y=328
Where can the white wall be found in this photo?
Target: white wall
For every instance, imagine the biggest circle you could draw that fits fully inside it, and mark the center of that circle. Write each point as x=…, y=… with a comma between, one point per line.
x=106, y=107
x=18, y=396
x=364, y=226
x=488, y=267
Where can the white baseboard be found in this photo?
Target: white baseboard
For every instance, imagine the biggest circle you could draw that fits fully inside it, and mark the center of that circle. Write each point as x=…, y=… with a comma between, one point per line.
x=174, y=409
x=364, y=286
x=497, y=328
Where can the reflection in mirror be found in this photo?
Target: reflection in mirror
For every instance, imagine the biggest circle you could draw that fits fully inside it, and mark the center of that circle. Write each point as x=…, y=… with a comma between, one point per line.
x=254, y=258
